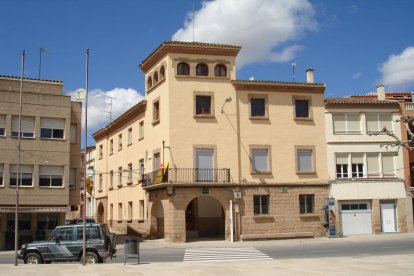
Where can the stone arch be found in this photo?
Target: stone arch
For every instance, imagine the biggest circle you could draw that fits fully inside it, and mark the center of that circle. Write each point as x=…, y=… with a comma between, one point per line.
x=157, y=220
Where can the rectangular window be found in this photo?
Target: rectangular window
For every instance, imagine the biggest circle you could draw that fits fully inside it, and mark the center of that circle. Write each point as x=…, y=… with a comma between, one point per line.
x=261, y=204
x=119, y=212
x=111, y=179
x=141, y=209
x=388, y=165
x=377, y=122
x=156, y=112
x=301, y=108
x=111, y=146
x=260, y=160
x=346, y=123
x=129, y=136
x=2, y=125
x=119, y=142
x=119, y=176
x=72, y=178
x=100, y=151
x=27, y=127
x=373, y=165
x=141, y=169
x=1, y=174
x=130, y=210
x=205, y=165
x=357, y=162
x=342, y=166
x=203, y=105
x=111, y=211
x=73, y=133
x=141, y=130
x=306, y=204
x=156, y=162
x=257, y=107
x=100, y=188
x=52, y=128
x=130, y=173
x=304, y=159
x=51, y=176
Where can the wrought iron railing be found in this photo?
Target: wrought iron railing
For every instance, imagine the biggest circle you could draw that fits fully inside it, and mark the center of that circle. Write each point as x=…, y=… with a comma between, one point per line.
x=186, y=176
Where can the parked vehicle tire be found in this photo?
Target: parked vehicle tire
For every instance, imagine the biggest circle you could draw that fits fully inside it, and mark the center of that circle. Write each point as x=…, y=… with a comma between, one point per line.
x=33, y=258
x=91, y=258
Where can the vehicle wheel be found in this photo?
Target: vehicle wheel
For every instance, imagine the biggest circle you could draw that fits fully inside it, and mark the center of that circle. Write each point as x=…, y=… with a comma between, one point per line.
x=91, y=258
x=33, y=258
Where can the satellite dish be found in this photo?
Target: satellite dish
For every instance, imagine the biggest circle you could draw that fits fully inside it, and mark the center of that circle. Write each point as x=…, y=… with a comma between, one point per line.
x=80, y=94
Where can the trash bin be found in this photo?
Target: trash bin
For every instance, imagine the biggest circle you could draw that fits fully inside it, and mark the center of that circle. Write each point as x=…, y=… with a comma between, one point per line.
x=131, y=250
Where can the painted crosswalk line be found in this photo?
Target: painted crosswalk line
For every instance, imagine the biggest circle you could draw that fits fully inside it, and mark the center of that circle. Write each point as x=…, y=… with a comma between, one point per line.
x=223, y=254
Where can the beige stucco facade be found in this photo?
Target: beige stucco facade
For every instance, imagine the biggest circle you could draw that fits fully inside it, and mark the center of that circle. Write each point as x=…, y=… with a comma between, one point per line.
x=217, y=152
x=49, y=158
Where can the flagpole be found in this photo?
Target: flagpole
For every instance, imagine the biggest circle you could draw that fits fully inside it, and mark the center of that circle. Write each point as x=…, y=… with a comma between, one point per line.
x=16, y=217
x=84, y=160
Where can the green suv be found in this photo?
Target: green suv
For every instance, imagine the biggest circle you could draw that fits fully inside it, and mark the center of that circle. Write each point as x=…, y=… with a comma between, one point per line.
x=66, y=244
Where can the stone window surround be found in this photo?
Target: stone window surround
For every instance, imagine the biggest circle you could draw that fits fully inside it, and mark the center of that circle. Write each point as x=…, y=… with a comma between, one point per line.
x=154, y=120
x=212, y=106
x=161, y=78
x=305, y=147
x=269, y=158
x=211, y=64
x=310, y=109
x=259, y=96
x=204, y=146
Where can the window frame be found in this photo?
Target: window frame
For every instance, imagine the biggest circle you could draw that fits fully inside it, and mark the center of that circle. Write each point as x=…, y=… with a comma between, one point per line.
x=253, y=97
x=346, y=120
x=156, y=112
x=120, y=142
x=100, y=183
x=53, y=131
x=141, y=131
x=120, y=176
x=23, y=134
x=313, y=159
x=100, y=151
x=309, y=105
x=303, y=199
x=130, y=138
x=258, y=209
x=130, y=176
x=269, y=159
x=218, y=70
x=50, y=177
x=202, y=70
x=111, y=179
x=13, y=173
x=3, y=118
x=1, y=175
x=378, y=121
x=111, y=146
x=182, y=68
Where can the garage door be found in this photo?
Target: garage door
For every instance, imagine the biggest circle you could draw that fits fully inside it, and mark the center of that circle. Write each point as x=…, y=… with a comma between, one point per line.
x=356, y=218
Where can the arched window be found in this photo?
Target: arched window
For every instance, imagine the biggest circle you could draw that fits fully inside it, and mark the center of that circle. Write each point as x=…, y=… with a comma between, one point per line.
x=149, y=83
x=202, y=69
x=183, y=69
x=155, y=77
x=220, y=70
x=162, y=72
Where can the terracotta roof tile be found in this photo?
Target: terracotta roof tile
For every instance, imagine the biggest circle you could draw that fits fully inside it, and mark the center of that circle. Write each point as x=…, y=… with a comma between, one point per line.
x=360, y=100
x=34, y=79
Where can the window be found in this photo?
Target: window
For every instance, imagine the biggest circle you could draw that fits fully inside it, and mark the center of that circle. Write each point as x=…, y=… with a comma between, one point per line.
x=130, y=136
x=373, y=164
x=346, y=123
x=119, y=176
x=52, y=128
x=203, y=105
x=162, y=72
x=111, y=179
x=149, y=83
x=141, y=210
x=155, y=77
x=100, y=188
x=357, y=165
x=257, y=107
x=51, y=176
x=111, y=146
x=387, y=165
x=27, y=127
x=261, y=204
x=306, y=204
x=92, y=233
x=119, y=212
x=100, y=151
x=130, y=173
x=25, y=175
x=141, y=130
x=201, y=69
x=156, y=112
x=72, y=178
x=130, y=215
x=220, y=70
x=304, y=160
x=1, y=174
x=204, y=165
x=73, y=133
x=2, y=125
x=183, y=69
x=302, y=108
x=156, y=162
x=64, y=234
x=260, y=160
x=141, y=168
x=377, y=122
x=119, y=142
x=342, y=166
x=111, y=211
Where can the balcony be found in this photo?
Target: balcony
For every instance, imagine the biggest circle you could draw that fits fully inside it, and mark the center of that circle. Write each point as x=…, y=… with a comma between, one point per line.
x=409, y=106
x=183, y=176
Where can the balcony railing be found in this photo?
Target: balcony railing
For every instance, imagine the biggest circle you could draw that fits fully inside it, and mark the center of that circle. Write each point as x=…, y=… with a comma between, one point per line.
x=187, y=176
x=409, y=106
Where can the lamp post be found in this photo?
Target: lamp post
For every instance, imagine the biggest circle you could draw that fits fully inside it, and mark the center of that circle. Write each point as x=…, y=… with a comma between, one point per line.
x=84, y=163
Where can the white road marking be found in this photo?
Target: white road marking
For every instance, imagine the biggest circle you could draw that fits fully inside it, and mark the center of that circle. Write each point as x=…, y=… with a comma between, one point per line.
x=224, y=254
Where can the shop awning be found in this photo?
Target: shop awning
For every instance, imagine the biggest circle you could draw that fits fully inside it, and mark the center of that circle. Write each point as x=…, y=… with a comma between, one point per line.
x=31, y=209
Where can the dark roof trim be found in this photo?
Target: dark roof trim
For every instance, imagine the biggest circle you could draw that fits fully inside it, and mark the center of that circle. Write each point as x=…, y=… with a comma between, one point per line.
x=31, y=79
x=278, y=86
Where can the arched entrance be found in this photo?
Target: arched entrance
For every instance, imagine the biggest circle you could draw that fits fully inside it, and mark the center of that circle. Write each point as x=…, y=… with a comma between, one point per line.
x=100, y=213
x=204, y=218
x=157, y=223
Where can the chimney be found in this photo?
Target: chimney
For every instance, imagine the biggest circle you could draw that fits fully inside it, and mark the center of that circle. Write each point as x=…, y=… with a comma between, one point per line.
x=309, y=76
x=380, y=92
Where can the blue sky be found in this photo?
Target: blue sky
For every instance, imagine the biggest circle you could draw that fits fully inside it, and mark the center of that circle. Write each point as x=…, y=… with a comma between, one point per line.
x=352, y=45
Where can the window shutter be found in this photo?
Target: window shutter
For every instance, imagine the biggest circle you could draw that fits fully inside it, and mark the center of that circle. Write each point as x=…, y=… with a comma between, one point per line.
x=388, y=165
x=51, y=170
x=342, y=159
x=1, y=169
x=304, y=160
x=2, y=121
x=73, y=133
x=385, y=121
x=372, y=122
x=23, y=168
x=27, y=124
x=260, y=159
x=357, y=158
x=354, y=125
x=373, y=166
x=339, y=123
x=53, y=123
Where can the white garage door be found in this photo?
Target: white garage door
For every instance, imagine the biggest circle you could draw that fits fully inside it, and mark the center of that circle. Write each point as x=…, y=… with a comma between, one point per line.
x=356, y=218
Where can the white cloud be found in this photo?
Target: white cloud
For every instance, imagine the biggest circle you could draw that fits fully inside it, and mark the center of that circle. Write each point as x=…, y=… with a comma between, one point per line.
x=99, y=105
x=265, y=29
x=356, y=76
x=398, y=70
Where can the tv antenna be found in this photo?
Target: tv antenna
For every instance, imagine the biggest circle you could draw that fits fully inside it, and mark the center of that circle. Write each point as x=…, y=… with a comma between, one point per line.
x=110, y=108
x=80, y=94
x=293, y=71
x=41, y=50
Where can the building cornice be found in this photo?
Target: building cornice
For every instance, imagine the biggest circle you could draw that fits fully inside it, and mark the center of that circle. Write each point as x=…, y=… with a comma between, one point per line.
x=278, y=86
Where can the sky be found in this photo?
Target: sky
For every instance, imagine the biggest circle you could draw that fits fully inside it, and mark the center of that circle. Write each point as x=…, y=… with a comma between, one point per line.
x=352, y=45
